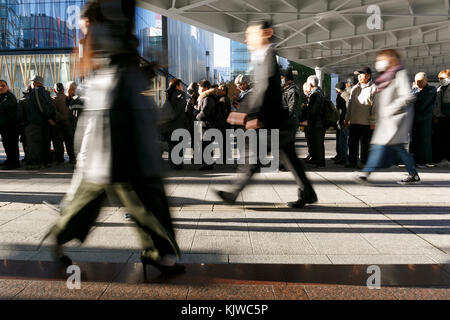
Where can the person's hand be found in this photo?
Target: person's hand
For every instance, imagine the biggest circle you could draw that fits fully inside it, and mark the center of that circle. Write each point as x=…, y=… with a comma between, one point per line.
x=346, y=123
x=372, y=127
x=51, y=122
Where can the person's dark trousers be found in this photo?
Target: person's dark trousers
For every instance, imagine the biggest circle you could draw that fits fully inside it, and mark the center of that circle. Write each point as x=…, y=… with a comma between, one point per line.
x=385, y=156
x=308, y=143
x=441, y=140
x=38, y=144
x=421, y=138
x=290, y=160
x=359, y=133
x=10, y=140
x=63, y=137
x=317, y=144
x=146, y=201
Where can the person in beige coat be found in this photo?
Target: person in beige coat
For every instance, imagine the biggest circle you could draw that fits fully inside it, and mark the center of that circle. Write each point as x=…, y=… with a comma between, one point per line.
x=395, y=114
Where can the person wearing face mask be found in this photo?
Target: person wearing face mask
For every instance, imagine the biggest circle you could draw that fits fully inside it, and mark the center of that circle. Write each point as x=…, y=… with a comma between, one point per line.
x=420, y=145
x=395, y=115
x=441, y=141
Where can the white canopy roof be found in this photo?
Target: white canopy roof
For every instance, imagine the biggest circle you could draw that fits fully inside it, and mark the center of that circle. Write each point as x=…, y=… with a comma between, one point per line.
x=337, y=35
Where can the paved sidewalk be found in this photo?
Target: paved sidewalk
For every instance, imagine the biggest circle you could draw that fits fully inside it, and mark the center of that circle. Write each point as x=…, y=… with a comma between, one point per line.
x=383, y=223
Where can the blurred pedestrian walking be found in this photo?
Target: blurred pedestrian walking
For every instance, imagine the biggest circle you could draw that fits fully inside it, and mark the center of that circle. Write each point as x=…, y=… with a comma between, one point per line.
x=395, y=115
x=118, y=136
x=266, y=111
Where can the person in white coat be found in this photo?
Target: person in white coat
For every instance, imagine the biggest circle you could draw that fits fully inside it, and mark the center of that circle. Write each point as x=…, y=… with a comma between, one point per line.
x=395, y=115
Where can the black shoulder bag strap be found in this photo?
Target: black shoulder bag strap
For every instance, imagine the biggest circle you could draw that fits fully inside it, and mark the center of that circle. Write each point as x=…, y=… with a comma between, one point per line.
x=38, y=101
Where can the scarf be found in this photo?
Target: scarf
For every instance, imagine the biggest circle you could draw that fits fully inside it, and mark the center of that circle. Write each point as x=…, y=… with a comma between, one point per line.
x=384, y=80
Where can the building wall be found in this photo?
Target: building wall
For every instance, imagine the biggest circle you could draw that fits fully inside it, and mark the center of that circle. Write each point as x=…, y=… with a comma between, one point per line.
x=240, y=58
x=187, y=52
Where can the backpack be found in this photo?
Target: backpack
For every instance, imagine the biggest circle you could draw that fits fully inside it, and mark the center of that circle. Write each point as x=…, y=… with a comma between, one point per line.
x=329, y=111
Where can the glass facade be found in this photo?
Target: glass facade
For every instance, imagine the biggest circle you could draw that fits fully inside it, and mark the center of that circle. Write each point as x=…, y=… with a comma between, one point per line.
x=190, y=52
x=240, y=59
x=39, y=24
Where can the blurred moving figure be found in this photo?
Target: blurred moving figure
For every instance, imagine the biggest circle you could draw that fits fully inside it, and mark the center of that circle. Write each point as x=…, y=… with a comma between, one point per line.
x=421, y=138
x=40, y=117
x=316, y=122
x=441, y=145
x=266, y=111
x=9, y=129
x=62, y=130
x=118, y=137
x=360, y=117
x=395, y=115
x=242, y=82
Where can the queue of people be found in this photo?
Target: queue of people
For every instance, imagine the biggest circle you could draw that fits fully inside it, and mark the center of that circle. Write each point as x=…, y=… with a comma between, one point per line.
x=41, y=121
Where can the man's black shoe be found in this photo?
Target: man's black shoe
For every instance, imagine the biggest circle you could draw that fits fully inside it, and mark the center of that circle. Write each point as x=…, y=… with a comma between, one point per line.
x=301, y=203
x=228, y=197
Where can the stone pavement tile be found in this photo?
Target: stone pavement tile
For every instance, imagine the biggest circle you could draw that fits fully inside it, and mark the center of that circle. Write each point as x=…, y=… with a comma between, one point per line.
x=339, y=243
x=398, y=242
x=222, y=245
x=422, y=293
x=380, y=259
x=197, y=207
x=58, y=290
x=281, y=243
x=185, y=240
x=441, y=241
x=339, y=292
x=146, y=291
x=101, y=242
x=16, y=255
x=227, y=224
x=10, y=288
x=283, y=259
x=283, y=292
x=204, y=258
x=231, y=292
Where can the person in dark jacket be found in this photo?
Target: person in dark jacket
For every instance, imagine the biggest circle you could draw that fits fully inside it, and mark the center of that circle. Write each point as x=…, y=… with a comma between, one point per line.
x=9, y=126
x=118, y=136
x=177, y=99
x=62, y=134
x=208, y=112
x=21, y=118
x=421, y=138
x=40, y=115
x=314, y=118
x=342, y=131
x=441, y=119
x=266, y=111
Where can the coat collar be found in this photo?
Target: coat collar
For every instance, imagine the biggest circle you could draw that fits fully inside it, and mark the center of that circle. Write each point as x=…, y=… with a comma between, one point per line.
x=207, y=93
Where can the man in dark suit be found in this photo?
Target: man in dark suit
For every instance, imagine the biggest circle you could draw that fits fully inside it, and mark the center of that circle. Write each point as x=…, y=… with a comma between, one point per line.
x=266, y=111
x=9, y=129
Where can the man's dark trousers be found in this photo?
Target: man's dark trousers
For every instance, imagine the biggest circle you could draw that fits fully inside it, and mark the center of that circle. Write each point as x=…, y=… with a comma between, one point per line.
x=316, y=137
x=289, y=158
x=359, y=133
x=10, y=139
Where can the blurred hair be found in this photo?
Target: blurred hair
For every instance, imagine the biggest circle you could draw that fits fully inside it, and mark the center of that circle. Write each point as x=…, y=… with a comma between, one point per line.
x=390, y=53
x=264, y=24
x=240, y=79
x=352, y=80
x=59, y=87
x=193, y=88
x=444, y=73
x=225, y=88
x=313, y=81
x=204, y=84
x=4, y=81
x=423, y=74
x=173, y=84
x=70, y=84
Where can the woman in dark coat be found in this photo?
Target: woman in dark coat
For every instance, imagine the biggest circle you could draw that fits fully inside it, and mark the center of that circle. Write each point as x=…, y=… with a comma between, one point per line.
x=177, y=99
x=117, y=135
x=421, y=139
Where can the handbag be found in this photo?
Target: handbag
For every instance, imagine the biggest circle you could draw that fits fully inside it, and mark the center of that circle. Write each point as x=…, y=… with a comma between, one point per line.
x=237, y=118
